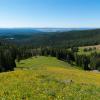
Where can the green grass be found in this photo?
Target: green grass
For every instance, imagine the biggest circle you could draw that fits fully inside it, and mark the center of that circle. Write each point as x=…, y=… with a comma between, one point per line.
x=46, y=78
x=40, y=62
x=81, y=50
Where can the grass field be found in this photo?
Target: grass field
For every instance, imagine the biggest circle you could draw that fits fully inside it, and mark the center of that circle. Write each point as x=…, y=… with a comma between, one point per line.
x=46, y=78
x=81, y=49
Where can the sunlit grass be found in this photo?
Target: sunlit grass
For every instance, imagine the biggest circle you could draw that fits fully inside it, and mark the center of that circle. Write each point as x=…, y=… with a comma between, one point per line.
x=37, y=62
x=46, y=78
x=81, y=51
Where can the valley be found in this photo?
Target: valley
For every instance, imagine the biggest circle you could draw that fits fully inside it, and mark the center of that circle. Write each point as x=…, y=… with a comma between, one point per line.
x=50, y=66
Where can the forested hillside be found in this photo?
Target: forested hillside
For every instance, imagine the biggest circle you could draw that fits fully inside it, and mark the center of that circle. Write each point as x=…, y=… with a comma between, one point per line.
x=57, y=39
x=62, y=45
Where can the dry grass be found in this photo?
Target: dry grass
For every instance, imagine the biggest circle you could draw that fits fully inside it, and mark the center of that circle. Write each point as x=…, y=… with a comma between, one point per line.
x=96, y=46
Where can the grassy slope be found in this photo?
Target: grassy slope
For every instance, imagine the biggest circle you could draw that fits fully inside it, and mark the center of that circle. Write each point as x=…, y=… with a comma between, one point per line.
x=81, y=49
x=46, y=78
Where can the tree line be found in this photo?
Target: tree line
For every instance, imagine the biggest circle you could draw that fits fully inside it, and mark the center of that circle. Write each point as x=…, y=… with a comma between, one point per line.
x=9, y=54
x=87, y=62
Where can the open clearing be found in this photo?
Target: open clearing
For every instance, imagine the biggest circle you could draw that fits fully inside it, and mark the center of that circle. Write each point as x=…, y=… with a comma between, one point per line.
x=46, y=78
x=96, y=46
x=81, y=49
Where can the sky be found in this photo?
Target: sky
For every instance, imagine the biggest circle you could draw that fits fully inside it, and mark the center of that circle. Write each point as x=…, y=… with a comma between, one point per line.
x=50, y=13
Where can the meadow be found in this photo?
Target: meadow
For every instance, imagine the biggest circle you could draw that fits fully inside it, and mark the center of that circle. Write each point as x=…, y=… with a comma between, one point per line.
x=46, y=78
x=81, y=49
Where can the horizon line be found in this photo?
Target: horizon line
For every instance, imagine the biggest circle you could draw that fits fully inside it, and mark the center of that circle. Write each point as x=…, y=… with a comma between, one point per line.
x=48, y=27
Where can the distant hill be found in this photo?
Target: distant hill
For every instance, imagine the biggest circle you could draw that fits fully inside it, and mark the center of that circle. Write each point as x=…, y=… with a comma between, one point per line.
x=17, y=31
x=60, y=29
x=67, y=38
x=30, y=31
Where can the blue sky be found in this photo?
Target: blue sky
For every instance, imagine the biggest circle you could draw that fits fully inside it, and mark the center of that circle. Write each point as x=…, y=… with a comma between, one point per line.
x=50, y=13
